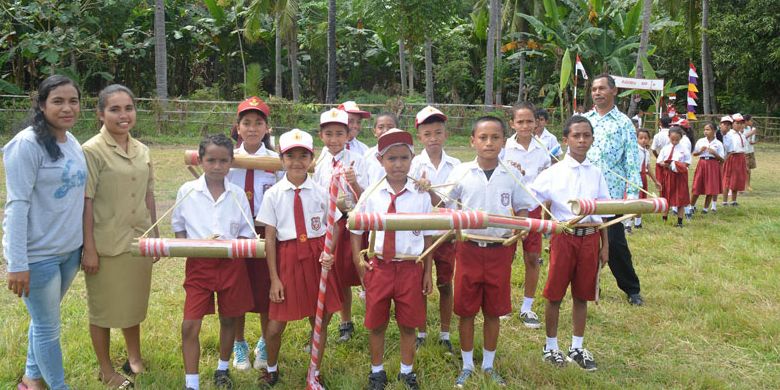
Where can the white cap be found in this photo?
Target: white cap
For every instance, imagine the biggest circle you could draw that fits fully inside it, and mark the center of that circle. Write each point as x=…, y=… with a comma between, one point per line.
x=296, y=138
x=426, y=113
x=737, y=117
x=352, y=108
x=334, y=115
x=726, y=118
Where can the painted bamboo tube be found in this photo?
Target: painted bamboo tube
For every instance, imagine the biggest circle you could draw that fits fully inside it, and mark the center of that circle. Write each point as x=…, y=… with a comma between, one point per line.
x=418, y=221
x=632, y=206
x=182, y=247
x=264, y=163
x=530, y=224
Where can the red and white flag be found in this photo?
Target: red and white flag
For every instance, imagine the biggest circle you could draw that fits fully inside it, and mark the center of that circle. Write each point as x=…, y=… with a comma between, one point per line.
x=579, y=68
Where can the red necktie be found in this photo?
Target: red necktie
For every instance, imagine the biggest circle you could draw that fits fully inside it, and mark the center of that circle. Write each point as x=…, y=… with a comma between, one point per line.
x=741, y=141
x=388, y=247
x=335, y=162
x=348, y=144
x=249, y=188
x=300, y=227
x=671, y=155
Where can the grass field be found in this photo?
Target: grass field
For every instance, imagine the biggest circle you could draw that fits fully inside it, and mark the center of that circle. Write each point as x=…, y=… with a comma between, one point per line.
x=711, y=318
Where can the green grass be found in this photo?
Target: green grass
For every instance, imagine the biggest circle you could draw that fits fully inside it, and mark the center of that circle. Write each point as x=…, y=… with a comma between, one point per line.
x=710, y=319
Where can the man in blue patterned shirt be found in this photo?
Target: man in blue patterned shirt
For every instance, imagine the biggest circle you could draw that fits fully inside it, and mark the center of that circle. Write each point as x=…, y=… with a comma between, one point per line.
x=614, y=150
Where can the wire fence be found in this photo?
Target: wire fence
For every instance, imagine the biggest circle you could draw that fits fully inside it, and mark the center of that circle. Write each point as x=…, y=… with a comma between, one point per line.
x=182, y=119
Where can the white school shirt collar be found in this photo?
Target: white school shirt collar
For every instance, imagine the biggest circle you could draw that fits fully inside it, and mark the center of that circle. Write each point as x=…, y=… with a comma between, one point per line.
x=536, y=143
x=572, y=163
x=445, y=158
x=202, y=187
x=262, y=151
x=285, y=184
x=409, y=186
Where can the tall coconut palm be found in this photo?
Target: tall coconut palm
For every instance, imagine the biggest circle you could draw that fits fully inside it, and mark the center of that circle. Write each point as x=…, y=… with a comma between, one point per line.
x=647, y=8
x=330, y=94
x=285, y=16
x=490, y=64
x=708, y=83
x=160, y=52
x=428, y=70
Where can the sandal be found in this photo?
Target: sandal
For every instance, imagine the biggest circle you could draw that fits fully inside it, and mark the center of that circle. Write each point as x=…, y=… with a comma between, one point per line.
x=125, y=384
x=127, y=369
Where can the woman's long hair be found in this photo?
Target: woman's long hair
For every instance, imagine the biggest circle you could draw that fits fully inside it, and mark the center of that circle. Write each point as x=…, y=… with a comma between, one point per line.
x=43, y=133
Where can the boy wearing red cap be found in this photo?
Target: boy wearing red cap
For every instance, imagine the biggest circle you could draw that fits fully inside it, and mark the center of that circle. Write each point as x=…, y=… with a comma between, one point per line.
x=483, y=265
x=334, y=127
x=434, y=164
x=393, y=275
x=356, y=116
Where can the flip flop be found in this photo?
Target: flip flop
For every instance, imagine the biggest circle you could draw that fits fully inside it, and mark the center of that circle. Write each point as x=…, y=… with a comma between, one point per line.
x=127, y=369
x=126, y=382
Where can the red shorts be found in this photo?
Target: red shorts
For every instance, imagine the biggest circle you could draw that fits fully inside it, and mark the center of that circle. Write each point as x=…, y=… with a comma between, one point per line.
x=642, y=194
x=203, y=277
x=533, y=241
x=344, y=266
x=397, y=281
x=482, y=279
x=444, y=258
x=573, y=260
x=301, y=281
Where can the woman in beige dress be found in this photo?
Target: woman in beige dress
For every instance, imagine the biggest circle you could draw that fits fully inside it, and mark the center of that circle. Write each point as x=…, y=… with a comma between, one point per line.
x=119, y=206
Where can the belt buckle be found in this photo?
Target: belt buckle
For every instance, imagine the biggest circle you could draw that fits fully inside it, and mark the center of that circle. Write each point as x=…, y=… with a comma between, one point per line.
x=482, y=244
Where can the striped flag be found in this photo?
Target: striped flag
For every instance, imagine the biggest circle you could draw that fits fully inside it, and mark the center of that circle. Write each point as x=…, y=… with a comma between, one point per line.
x=692, y=90
x=579, y=68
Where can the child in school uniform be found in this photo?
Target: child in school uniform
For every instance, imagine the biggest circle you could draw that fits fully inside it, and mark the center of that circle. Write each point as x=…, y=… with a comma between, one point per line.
x=356, y=116
x=434, y=164
x=643, y=139
x=334, y=127
x=483, y=266
x=751, y=136
x=576, y=258
x=735, y=167
x=530, y=157
x=252, y=128
x=212, y=207
x=393, y=275
x=675, y=159
x=723, y=128
x=706, y=180
x=294, y=213
x=374, y=170
x=548, y=139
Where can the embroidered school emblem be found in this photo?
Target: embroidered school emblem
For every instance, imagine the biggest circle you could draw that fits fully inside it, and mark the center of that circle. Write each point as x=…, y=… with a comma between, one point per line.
x=505, y=199
x=254, y=102
x=302, y=238
x=316, y=224
x=249, y=195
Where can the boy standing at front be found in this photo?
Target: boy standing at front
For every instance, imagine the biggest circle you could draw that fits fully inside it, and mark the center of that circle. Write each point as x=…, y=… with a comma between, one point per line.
x=575, y=258
x=483, y=266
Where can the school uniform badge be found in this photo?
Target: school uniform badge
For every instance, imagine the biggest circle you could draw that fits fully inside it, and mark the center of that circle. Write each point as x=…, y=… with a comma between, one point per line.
x=316, y=223
x=505, y=199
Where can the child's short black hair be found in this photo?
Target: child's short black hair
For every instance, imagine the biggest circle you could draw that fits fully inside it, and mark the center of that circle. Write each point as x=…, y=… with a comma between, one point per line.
x=218, y=140
x=573, y=121
x=666, y=121
x=489, y=118
x=542, y=113
x=388, y=115
x=644, y=130
x=747, y=117
x=678, y=130
x=524, y=106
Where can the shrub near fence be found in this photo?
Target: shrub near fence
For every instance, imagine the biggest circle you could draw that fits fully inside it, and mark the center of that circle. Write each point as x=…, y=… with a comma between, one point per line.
x=182, y=120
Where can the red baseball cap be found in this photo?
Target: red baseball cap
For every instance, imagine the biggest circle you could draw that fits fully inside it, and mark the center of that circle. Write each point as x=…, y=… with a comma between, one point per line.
x=394, y=137
x=254, y=103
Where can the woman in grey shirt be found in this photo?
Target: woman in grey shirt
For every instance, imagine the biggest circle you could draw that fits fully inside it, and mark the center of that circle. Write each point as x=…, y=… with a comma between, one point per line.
x=45, y=178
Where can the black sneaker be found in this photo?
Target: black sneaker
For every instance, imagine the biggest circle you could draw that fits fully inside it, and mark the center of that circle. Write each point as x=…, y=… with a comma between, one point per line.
x=636, y=300
x=447, y=346
x=419, y=342
x=377, y=380
x=554, y=357
x=638, y=226
x=583, y=358
x=678, y=225
x=410, y=380
x=345, y=331
x=222, y=379
x=628, y=229
x=267, y=378
x=704, y=211
x=530, y=320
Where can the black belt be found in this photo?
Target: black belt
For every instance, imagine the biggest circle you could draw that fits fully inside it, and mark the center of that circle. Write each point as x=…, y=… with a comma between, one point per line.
x=484, y=244
x=708, y=158
x=584, y=231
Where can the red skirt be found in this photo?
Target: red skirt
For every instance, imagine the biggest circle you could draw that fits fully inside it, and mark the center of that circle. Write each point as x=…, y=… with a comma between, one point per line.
x=301, y=281
x=735, y=172
x=706, y=180
x=677, y=189
x=643, y=194
x=346, y=273
x=662, y=175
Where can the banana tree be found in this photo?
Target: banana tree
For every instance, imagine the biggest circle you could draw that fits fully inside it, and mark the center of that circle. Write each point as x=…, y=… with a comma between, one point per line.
x=654, y=96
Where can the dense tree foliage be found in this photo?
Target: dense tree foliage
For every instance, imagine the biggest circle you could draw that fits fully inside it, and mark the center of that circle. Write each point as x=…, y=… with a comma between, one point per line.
x=223, y=49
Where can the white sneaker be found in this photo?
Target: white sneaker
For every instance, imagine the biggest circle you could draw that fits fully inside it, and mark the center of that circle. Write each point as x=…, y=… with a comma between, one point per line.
x=241, y=355
x=530, y=320
x=261, y=356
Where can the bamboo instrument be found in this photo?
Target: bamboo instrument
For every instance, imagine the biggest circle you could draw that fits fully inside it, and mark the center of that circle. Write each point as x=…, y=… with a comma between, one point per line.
x=633, y=206
x=182, y=247
x=264, y=163
x=447, y=221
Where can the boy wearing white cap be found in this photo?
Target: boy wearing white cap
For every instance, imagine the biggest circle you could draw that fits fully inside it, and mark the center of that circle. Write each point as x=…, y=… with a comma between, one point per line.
x=735, y=168
x=334, y=127
x=356, y=116
x=393, y=275
x=294, y=212
x=435, y=165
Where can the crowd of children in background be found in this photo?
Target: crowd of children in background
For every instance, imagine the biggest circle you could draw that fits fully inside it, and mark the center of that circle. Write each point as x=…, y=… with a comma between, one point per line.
x=526, y=174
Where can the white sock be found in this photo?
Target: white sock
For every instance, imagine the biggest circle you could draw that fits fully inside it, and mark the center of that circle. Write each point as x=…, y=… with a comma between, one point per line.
x=273, y=368
x=576, y=342
x=527, y=302
x=375, y=369
x=468, y=359
x=637, y=221
x=552, y=344
x=422, y=335
x=406, y=369
x=192, y=381
x=444, y=335
x=713, y=205
x=487, y=359
x=222, y=365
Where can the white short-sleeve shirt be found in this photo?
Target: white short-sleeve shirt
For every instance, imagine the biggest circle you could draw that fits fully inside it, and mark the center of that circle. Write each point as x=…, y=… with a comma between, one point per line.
x=374, y=169
x=734, y=142
x=324, y=169
x=407, y=243
x=716, y=145
x=500, y=195
x=570, y=180
x=660, y=140
x=201, y=216
x=355, y=145
x=437, y=175
x=680, y=153
x=532, y=161
x=263, y=179
x=278, y=209
x=550, y=142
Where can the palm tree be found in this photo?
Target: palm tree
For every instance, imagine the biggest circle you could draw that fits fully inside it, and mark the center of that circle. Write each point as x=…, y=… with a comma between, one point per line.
x=708, y=84
x=330, y=94
x=428, y=70
x=160, y=52
x=647, y=8
x=285, y=15
x=490, y=64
